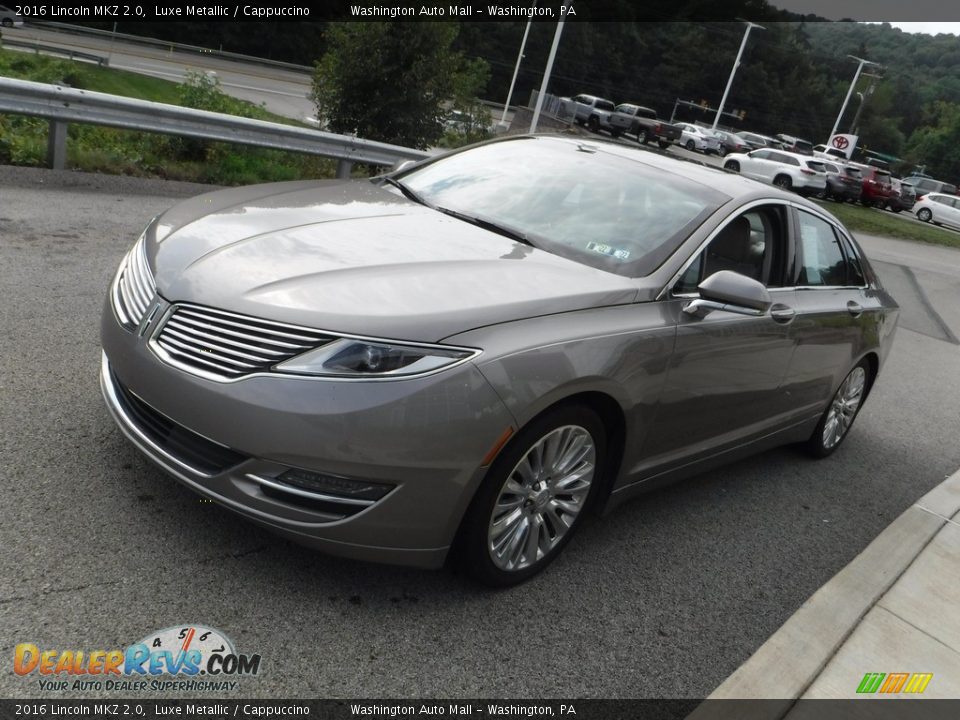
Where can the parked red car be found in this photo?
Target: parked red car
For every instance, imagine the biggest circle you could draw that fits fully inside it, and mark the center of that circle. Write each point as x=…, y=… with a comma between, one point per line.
x=876, y=190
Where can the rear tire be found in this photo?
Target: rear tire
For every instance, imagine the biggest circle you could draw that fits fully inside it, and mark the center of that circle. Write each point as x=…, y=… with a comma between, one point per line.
x=642, y=137
x=924, y=214
x=663, y=144
x=593, y=124
x=534, y=497
x=732, y=165
x=838, y=417
x=783, y=182
x=691, y=146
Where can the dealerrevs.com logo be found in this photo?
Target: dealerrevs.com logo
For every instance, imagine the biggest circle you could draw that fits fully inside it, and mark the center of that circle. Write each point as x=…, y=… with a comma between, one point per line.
x=189, y=658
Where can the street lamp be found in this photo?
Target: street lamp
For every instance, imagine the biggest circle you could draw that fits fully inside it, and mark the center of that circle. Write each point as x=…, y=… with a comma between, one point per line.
x=856, y=76
x=549, y=69
x=736, y=64
x=516, y=69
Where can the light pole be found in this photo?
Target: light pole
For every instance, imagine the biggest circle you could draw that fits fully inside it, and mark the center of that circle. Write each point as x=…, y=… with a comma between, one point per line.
x=864, y=96
x=736, y=64
x=856, y=76
x=516, y=69
x=549, y=68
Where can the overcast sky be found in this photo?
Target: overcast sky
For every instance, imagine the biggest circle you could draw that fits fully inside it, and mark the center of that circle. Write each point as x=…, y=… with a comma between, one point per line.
x=898, y=12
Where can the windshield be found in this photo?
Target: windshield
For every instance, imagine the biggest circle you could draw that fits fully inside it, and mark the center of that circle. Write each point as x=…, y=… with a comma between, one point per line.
x=571, y=199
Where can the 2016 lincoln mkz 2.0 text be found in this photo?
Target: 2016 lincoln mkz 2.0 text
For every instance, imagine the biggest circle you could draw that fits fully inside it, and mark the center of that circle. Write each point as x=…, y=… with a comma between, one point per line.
x=473, y=351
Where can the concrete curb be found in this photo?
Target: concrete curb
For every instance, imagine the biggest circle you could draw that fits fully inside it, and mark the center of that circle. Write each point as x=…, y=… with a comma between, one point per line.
x=788, y=663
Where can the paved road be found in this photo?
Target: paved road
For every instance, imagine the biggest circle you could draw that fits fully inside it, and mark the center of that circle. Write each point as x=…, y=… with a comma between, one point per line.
x=284, y=92
x=664, y=598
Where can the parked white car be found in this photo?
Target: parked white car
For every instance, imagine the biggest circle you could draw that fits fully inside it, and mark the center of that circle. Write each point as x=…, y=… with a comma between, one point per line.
x=790, y=171
x=694, y=137
x=9, y=18
x=829, y=153
x=938, y=208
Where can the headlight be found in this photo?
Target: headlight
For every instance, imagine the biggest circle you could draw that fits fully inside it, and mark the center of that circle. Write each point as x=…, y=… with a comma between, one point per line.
x=367, y=359
x=133, y=288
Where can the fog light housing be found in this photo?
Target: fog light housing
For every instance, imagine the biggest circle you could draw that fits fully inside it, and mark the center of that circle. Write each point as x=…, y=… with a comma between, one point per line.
x=334, y=485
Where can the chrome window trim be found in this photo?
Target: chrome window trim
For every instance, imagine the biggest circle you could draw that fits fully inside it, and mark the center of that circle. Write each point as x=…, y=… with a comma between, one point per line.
x=165, y=357
x=665, y=290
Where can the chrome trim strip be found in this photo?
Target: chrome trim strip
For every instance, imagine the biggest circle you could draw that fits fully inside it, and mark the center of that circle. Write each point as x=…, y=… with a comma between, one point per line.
x=194, y=322
x=167, y=354
x=201, y=311
x=196, y=334
x=283, y=487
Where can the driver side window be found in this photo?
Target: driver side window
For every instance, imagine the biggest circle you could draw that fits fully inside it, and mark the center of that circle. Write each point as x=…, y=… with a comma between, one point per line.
x=752, y=244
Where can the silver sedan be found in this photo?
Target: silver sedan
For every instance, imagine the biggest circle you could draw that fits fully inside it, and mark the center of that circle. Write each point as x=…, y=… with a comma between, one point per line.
x=464, y=357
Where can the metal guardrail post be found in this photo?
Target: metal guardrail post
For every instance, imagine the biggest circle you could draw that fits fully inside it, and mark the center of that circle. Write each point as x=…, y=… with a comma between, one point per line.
x=57, y=145
x=343, y=169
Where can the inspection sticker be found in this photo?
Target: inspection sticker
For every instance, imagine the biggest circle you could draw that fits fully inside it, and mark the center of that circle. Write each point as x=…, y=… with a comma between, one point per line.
x=608, y=250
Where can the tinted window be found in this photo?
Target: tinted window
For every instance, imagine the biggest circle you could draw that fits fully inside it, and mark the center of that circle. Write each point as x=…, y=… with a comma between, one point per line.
x=830, y=168
x=591, y=206
x=822, y=260
x=604, y=105
x=761, y=154
x=947, y=188
x=941, y=199
x=854, y=269
x=818, y=167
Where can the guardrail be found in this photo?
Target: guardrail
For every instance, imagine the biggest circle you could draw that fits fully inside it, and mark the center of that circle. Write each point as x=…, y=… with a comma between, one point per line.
x=166, y=45
x=63, y=105
x=39, y=47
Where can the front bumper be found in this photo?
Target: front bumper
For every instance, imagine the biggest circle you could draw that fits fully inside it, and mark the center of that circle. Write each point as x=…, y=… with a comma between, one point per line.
x=231, y=441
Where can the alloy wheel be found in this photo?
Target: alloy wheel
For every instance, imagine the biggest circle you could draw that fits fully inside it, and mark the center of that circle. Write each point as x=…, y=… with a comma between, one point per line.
x=843, y=408
x=541, y=498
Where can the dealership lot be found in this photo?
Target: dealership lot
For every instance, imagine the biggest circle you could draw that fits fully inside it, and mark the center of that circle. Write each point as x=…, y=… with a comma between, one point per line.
x=664, y=598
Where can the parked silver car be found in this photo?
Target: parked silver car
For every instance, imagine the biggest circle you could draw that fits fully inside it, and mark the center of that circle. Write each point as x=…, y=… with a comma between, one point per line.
x=468, y=354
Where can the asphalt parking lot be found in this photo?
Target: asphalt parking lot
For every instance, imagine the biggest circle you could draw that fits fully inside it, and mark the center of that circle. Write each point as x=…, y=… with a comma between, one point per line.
x=664, y=598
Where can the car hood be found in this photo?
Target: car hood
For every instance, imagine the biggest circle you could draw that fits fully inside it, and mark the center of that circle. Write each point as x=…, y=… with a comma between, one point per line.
x=355, y=258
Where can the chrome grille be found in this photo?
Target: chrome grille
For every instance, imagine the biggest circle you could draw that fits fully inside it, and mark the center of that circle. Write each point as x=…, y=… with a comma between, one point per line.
x=135, y=287
x=225, y=345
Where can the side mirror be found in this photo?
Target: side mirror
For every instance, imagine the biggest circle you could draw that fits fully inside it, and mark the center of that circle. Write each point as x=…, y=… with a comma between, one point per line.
x=732, y=292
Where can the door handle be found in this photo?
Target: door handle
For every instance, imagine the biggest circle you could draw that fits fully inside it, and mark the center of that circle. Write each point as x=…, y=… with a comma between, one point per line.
x=854, y=309
x=782, y=313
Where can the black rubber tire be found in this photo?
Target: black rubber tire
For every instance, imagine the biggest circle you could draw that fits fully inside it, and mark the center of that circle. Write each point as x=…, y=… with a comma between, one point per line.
x=615, y=132
x=472, y=552
x=7, y=23
x=895, y=209
x=642, y=136
x=732, y=165
x=593, y=124
x=924, y=214
x=663, y=144
x=691, y=146
x=783, y=182
x=814, y=446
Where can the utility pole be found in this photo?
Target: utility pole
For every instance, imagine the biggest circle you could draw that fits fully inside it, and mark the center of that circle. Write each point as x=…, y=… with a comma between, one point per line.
x=733, y=72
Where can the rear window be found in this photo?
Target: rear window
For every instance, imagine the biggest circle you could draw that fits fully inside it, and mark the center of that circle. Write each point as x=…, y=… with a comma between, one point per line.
x=804, y=147
x=853, y=172
x=947, y=188
x=816, y=166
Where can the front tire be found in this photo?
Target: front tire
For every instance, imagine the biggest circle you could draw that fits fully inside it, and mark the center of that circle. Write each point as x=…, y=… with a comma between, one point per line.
x=691, y=146
x=642, y=137
x=924, y=214
x=732, y=165
x=843, y=409
x=534, y=497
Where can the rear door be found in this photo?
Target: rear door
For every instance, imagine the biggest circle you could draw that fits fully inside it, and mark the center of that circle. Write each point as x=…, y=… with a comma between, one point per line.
x=835, y=312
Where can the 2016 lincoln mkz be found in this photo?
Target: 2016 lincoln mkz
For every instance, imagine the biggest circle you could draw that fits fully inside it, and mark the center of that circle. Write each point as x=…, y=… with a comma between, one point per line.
x=472, y=352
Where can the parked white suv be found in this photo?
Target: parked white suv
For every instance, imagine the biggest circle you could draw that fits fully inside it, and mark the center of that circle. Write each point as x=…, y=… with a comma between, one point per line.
x=790, y=171
x=939, y=208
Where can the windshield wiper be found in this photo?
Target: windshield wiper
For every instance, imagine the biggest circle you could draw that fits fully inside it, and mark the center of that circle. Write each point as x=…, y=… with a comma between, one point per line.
x=488, y=224
x=407, y=192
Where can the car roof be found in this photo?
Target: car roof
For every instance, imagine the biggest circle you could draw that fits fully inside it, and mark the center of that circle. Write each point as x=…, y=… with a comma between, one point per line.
x=729, y=183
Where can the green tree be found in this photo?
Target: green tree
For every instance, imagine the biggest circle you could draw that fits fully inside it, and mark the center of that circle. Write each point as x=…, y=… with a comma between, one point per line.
x=937, y=142
x=392, y=81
